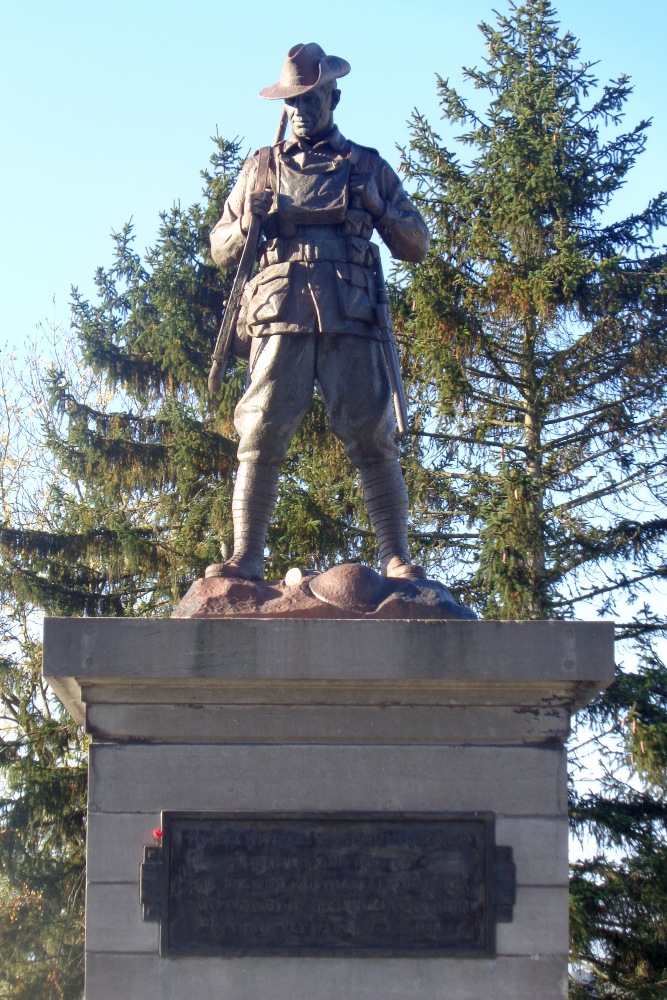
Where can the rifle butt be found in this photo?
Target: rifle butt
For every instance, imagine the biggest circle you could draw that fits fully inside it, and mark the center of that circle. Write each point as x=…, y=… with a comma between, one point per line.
x=215, y=377
x=396, y=383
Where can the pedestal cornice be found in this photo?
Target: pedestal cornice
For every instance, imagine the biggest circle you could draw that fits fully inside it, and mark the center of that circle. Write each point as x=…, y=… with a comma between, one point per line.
x=323, y=681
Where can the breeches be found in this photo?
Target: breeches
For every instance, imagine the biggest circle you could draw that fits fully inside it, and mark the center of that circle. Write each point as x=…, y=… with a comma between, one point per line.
x=352, y=377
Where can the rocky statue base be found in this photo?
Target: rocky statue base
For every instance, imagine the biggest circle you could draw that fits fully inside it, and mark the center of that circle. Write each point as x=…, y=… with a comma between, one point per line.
x=346, y=591
x=287, y=809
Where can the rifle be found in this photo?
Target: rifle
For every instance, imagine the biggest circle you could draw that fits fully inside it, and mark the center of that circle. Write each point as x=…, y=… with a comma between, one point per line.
x=389, y=344
x=223, y=344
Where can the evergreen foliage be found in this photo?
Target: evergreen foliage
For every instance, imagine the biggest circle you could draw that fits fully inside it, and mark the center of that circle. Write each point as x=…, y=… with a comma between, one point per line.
x=144, y=461
x=537, y=328
x=539, y=361
x=42, y=833
x=42, y=752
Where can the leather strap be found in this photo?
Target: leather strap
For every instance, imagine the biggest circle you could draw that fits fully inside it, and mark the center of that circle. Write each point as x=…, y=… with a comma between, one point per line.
x=262, y=175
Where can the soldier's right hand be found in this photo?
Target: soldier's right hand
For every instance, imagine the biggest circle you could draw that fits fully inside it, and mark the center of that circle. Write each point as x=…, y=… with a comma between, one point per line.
x=258, y=203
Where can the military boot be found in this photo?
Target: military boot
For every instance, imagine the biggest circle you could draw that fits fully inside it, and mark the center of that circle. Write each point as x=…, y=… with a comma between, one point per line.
x=387, y=504
x=253, y=503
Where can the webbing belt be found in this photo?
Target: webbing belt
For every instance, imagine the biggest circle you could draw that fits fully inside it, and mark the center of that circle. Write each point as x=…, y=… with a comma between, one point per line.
x=289, y=250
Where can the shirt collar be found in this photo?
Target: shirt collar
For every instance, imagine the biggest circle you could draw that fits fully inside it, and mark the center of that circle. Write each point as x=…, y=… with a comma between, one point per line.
x=333, y=139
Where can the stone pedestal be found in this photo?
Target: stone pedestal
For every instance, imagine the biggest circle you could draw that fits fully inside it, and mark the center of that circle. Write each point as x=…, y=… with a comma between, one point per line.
x=289, y=717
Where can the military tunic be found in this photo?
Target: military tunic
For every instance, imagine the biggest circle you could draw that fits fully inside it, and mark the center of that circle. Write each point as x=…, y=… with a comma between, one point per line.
x=310, y=311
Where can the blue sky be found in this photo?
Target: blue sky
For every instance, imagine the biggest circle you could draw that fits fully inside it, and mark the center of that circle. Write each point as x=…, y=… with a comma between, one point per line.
x=108, y=107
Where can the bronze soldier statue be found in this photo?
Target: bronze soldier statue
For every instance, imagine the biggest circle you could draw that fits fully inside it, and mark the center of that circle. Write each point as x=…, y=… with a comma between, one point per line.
x=310, y=314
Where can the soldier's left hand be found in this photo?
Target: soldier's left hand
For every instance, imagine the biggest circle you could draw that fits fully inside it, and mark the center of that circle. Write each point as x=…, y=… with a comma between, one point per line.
x=364, y=185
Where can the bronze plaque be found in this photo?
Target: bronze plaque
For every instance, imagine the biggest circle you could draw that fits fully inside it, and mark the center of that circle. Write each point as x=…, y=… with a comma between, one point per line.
x=352, y=884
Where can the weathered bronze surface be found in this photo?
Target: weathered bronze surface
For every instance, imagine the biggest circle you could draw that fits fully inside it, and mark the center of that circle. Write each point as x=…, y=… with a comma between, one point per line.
x=400, y=885
x=315, y=313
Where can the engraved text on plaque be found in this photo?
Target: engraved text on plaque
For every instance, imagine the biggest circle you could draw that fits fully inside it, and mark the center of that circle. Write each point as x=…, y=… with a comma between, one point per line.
x=364, y=884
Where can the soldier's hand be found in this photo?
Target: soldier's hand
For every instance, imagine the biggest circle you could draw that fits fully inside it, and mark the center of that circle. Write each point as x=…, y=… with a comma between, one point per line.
x=258, y=203
x=364, y=185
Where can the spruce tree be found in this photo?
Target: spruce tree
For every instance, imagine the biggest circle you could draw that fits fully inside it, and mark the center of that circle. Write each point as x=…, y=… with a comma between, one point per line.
x=536, y=330
x=42, y=751
x=537, y=327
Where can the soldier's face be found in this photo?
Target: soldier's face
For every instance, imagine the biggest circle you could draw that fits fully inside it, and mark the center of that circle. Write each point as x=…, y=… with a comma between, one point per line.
x=311, y=113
